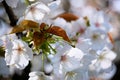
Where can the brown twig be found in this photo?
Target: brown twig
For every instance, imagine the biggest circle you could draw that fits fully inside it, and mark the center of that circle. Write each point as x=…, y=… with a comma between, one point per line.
x=13, y=19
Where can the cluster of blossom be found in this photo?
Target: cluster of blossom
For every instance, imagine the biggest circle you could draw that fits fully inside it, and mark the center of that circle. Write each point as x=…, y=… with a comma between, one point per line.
x=87, y=55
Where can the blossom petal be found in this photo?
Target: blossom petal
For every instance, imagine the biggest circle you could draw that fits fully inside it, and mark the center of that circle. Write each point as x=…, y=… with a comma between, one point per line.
x=23, y=62
x=70, y=64
x=110, y=55
x=54, y=5
x=76, y=53
x=105, y=63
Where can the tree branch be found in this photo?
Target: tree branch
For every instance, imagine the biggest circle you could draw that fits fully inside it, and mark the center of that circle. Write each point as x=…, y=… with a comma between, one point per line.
x=13, y=19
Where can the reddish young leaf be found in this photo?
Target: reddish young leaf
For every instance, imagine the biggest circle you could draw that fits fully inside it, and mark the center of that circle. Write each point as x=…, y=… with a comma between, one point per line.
x=59, y=32
x=24, y=25
x=28, y=24
x=38, y=38
x=110, y=37
x=17, y=29
x=68, y=17
x=42, y=26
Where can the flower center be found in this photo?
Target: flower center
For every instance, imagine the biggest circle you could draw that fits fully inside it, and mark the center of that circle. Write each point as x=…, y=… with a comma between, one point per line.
x=101, y=57
x=63, y=58
x=82, y=30
x=95, y=36
x=97, y=24
x=32, y=9
x=71, y=74
x=19, y=49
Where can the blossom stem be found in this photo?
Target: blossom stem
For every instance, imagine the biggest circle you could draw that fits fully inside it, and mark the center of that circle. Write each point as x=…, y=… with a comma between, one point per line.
x=13, y=19
x=51, y=47
x=43, y=62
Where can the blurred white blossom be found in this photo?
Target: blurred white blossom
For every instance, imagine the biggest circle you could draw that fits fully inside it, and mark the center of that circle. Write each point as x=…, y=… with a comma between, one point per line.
x=115, y=5
x=95, y=37
x=4, y=28
x=4, y=70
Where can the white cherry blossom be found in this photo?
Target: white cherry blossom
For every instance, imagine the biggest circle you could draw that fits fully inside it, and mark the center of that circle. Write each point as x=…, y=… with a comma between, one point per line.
x=104, y=59
x=36, y=12
x=18, y=54
x=67, y=59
